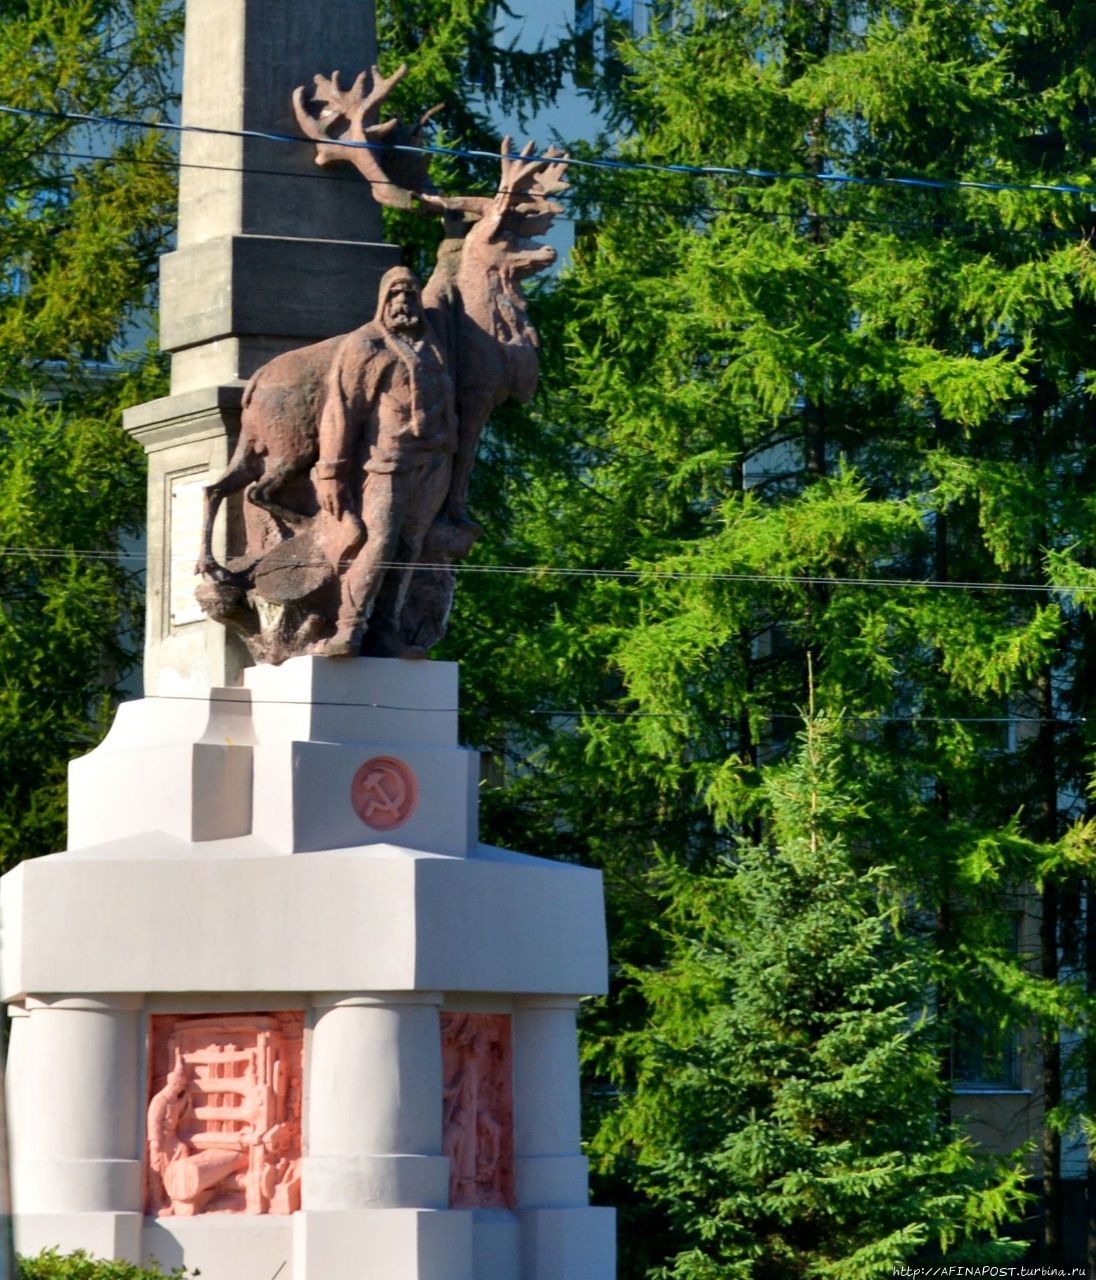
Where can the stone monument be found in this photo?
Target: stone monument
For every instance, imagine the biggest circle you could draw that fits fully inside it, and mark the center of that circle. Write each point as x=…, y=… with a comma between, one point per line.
x=276, y=1010
x=357, y=451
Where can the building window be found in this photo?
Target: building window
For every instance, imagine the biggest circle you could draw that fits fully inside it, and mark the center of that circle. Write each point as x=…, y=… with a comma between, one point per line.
x=585, y=66
x=599, y=25
x=985, y=1058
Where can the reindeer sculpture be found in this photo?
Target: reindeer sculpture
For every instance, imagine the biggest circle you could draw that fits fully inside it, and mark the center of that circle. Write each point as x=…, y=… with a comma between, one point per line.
x=280, y=599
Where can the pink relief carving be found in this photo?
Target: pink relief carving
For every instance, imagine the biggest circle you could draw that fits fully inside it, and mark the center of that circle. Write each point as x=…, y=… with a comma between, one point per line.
x=384, y=793
x=478, y=1117
x=224, y=1114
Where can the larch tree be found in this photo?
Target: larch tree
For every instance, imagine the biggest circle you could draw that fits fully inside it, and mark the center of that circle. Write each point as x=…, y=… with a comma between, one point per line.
x=786, y=416
x=86, y=213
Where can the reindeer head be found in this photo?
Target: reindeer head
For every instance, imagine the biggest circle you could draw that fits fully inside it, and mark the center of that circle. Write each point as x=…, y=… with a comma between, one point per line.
x=523, y=209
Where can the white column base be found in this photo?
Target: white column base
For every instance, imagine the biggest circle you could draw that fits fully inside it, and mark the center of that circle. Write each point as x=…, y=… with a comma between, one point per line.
x=343, y=1182
x=552, y=1182
x=568, y=1244
x=383, y=1244
x=222, y=1246
x=82, y=1186
x=103, y=1235
x=496, y=1245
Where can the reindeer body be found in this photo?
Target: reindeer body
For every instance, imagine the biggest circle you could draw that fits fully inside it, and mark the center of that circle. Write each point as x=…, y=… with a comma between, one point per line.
x=492, y=345
x=279, y=425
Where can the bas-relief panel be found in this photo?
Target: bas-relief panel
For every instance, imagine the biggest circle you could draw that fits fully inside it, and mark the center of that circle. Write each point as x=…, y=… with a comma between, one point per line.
x=478, y=1115
x=224, y=1114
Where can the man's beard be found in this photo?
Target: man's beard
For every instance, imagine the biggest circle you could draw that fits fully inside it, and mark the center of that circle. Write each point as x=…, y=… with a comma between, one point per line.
x=403, y=321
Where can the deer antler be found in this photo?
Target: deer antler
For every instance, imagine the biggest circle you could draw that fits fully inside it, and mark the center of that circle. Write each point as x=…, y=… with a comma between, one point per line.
x=551, y=178
x=346, y=127
x=344, y=122
x=522, y=202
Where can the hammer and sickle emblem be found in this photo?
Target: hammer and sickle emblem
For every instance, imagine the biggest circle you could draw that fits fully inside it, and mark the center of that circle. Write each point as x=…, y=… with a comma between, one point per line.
x=379, y=798
x=384, y=793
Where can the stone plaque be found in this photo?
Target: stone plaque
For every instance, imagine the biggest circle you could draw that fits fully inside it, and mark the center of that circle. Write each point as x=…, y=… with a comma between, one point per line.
x=478, y=1109
x=186, y=526
x=224, y=1114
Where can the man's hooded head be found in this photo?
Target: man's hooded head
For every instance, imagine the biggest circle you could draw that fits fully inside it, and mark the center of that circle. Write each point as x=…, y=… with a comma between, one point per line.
x=399, y=301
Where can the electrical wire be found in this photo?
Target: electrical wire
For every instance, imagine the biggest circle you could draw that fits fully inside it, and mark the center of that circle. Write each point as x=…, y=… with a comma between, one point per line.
x=583, y=713
x=599, y=163
x=637, y=575
x=629, y=202
x=644, y=575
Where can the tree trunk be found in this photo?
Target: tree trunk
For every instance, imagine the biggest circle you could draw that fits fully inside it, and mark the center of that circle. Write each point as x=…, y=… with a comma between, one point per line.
x=1090, y=1078
x=1051, y=1046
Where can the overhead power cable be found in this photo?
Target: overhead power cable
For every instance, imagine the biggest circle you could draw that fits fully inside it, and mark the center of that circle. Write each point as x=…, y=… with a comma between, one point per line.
x=608, y=163
x=634, y=575
x=586, y=713
x=935, y=226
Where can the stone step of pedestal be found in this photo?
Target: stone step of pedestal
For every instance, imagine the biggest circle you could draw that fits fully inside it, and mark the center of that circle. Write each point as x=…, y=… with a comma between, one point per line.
x=384, y=1244
x=381, y=918
x=355, y=700
x=103, y=1235
x=319, y=753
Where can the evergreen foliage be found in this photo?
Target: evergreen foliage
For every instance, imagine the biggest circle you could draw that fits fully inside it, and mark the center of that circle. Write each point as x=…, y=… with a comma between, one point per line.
x=51, y=1265
x=750, y=385
x=783, y=1097
x=455, y=62
x=86, y=212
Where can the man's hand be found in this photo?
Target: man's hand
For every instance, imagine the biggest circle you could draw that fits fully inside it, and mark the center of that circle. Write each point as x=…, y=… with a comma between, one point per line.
x=332, y=496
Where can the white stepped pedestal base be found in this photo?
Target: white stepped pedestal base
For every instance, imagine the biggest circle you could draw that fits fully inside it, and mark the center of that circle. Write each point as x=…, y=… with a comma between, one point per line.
x=103, y=1235
x=383, y=1244
x=244, y=883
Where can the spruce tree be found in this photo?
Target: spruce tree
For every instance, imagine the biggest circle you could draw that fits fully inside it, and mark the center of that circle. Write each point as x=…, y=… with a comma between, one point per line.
x=783, y=1093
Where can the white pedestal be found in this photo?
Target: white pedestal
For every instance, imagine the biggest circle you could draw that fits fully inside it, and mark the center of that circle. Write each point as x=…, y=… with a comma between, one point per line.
x=384, y=1244
x=219, y=866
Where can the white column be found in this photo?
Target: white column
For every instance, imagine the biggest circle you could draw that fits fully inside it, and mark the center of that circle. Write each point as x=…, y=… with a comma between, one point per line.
x=549, y=1167
x=76, y=1078
x=18, y=1035
x=374, y=1118
x=562, y=1238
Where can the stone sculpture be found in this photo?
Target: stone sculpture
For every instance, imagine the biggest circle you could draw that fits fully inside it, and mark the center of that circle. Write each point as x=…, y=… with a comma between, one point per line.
x=478, y=1122
x=224, y=1128
x=358, y=450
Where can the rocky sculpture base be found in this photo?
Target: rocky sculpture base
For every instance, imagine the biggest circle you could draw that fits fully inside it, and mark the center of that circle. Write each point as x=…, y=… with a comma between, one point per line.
x=277, y=1011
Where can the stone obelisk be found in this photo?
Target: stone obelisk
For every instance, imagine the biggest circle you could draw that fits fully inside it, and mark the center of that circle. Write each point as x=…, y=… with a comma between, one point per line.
x=277, y=1012
x=272, y=252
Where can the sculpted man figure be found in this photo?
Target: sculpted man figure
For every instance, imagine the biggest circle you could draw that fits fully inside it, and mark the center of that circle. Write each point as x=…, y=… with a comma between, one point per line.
x=389, y=418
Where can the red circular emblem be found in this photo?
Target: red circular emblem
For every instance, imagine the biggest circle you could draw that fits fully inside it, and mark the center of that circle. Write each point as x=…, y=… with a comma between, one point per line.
x=384, y=793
